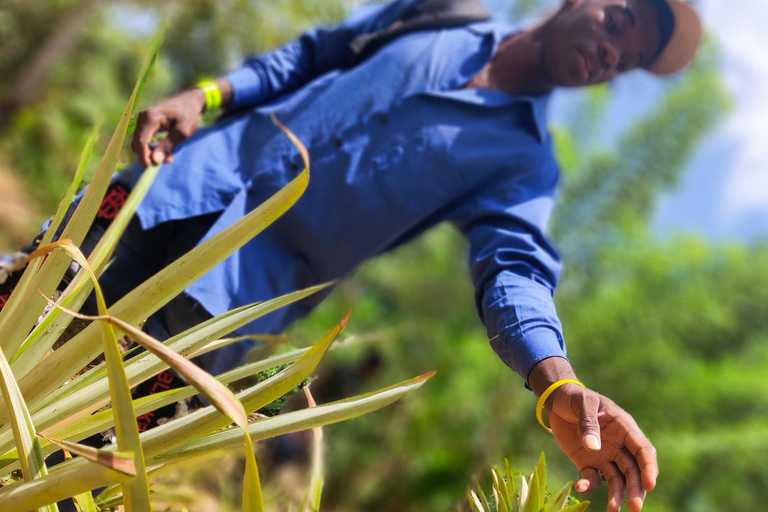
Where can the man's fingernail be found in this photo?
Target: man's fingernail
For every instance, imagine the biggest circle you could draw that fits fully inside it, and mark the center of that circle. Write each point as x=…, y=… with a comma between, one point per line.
x=159, y=156
x=581, y=488
x=592, y=442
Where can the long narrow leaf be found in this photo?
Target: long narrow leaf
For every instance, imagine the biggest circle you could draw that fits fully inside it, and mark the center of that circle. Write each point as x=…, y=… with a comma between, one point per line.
x=136, y=491
x=119, y=461
x=34, y=266
x=19, y=316
x=510, y=485
x=156, y=292
x=293, y=421
x=78, y=475
x=577, y=507
x=474, y=501
x=541, y=472
x=103, y=420
x=68, y=479
x=558, y=500
x=45, y=334
x=316, y=481
x=27, y=443
x=84, y=502
x=74, y=186
x=207, y=420
x=64, y=408
x=206, y=384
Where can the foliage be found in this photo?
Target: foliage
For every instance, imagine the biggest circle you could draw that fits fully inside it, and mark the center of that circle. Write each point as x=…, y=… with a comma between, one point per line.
x=674, y=331
x=531, y=495
x=45, y=408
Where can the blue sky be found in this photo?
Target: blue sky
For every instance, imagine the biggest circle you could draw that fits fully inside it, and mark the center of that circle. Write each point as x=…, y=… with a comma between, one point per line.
x=724, y=194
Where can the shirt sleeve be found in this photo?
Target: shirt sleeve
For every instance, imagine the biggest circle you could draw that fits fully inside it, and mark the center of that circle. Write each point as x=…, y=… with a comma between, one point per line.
x=314, y=53
x=515, y=269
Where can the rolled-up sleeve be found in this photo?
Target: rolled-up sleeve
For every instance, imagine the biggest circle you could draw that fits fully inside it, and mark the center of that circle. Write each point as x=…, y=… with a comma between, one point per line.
x=314, y=53
x=515, y=269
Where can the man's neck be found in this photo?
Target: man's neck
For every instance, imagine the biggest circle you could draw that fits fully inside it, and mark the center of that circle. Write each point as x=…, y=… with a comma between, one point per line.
x=517, y=68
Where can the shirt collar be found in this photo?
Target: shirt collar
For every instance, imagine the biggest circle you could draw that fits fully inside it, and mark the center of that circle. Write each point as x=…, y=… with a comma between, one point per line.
x=493, y=98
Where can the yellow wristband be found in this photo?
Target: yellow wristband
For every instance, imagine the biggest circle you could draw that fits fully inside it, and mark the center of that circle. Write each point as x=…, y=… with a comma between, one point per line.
x=212, y=94
x=545, y=395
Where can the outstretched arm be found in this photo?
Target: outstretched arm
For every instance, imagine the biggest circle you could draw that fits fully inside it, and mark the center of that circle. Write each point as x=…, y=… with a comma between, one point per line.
x=515, y=271
x=598, y=436
x=261, y=79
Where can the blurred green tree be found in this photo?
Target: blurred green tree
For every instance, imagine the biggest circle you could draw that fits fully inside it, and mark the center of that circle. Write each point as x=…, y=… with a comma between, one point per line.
x=675, y=331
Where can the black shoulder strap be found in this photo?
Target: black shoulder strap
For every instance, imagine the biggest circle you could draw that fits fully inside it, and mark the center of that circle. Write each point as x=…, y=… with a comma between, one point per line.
x=429, y=14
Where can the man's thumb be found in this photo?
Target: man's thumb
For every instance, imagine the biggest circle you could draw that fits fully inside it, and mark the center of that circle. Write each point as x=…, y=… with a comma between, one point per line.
x=163, y=148
x=589, y=426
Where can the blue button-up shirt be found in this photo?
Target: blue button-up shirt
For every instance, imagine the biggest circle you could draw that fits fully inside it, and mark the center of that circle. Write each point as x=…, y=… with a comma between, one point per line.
x=397, y=145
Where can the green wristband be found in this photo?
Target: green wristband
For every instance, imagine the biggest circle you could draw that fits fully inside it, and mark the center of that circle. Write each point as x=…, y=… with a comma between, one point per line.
x=212, y=94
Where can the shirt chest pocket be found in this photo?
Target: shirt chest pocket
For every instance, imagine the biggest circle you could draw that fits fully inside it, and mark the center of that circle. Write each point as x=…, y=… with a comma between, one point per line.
x=413, y=172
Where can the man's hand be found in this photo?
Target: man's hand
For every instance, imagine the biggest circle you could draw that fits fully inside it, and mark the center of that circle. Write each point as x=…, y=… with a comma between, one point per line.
x=179, y=116
x=598, y=436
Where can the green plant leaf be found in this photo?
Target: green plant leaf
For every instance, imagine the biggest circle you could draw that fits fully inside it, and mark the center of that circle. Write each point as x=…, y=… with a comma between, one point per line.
x=541, y=473
x=136, y=491
x=206, y=384
x=475, y=502
x=525, y=495
x=27, y=443
x=20, y=314
x=156, y=292
x=83, y=502
x=79, y=475
x=63, y=410
x=577, y=507
x=501, y=485
x=511, y=485
x=293, y=421
x=72, y=477
x=119, y=461
x=311, y=502
x=204, y=421
x=558, y=500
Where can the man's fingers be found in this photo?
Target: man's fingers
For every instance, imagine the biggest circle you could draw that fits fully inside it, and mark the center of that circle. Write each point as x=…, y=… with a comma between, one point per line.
x=179, y=132
x=645, y=453
x=163, y=149
x=590, y=480
x=586, y=406
x=635, y=492
x=617, y=488
x=147, y=125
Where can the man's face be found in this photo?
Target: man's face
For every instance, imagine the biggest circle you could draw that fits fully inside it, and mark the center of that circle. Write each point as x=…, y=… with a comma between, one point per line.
x=591, y=41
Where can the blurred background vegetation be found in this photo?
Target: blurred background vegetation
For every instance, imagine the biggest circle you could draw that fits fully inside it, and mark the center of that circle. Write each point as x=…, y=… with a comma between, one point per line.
x=674, y=330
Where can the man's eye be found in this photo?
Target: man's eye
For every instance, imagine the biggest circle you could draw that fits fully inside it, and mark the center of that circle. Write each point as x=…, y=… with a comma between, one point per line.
x=613, y=27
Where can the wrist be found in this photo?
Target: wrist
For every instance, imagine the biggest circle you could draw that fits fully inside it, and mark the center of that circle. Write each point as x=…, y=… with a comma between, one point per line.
x=547, y=372
x=213, y=95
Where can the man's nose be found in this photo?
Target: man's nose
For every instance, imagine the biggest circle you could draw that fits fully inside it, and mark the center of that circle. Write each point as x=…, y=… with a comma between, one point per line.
x=609, y=55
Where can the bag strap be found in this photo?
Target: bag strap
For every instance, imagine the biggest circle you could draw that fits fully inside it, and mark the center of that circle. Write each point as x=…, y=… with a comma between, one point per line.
x=430, y=14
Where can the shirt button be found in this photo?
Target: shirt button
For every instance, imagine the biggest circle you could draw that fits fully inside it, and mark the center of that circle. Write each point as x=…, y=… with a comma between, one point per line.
x=339, y=143
x=384, y=119
x=251, y=190
x=294, y=167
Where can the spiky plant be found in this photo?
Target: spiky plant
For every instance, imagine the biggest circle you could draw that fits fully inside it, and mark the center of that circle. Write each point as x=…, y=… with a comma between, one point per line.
x=49, y=402
x=531, y=495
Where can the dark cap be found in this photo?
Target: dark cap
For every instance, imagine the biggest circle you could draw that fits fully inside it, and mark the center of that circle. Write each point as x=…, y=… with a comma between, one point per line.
x=679, y=34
